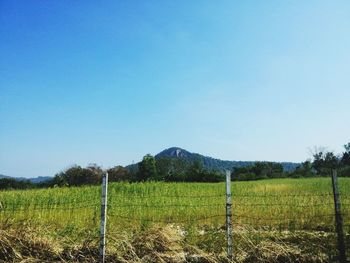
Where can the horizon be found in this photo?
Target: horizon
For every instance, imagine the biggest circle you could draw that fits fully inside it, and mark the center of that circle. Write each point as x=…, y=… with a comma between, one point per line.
x=136, y=162
x=107, y=83
x=177, y=147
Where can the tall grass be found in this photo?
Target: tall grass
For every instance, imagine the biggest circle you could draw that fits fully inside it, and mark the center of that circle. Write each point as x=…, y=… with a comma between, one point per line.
x=279, y=203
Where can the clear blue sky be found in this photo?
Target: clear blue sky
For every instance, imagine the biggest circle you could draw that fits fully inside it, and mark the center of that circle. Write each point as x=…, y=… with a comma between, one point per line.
x=109, y=81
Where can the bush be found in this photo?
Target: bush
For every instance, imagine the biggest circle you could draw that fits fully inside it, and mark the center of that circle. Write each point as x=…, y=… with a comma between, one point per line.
x=76, y=176
x=9, y=183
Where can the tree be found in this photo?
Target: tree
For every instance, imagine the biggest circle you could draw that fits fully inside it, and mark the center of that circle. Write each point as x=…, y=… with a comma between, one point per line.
x=77, y=175
x=345, y=160
x=119, y=173
x=259, y=170
x=347, y=147
x=178, y=171
x=324, y=161
x=164, y=167
x=96, y=169
x=303, y=170
x=10, y=183
x=195, y=171
x=330, y=160
x=147, y=169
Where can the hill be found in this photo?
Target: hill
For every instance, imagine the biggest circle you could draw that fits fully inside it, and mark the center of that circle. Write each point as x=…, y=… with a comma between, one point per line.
x=34, y=180
x=211, y=163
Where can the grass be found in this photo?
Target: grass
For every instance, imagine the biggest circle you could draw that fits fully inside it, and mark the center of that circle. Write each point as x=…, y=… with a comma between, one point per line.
x=197, y=210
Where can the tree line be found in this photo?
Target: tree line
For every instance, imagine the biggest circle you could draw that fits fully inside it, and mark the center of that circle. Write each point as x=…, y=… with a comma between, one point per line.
x=149, y=169
x=321, y=164
x=173, y=169
x=168, y=169
x=324, y=161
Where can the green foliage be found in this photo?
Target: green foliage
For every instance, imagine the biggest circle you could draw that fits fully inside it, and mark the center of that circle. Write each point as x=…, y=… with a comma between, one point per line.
x=139, y=204
x=304, y=170
x=178, y=219
x=212, y=164
x=345, y=160
x=147, y=169
x=183, y=166
x=324, y=162
x=257, y=171
x=172, y=169
x=344, y=171
x=9, y=183
x=119, y=174
x=76, y=176
x=184, y=170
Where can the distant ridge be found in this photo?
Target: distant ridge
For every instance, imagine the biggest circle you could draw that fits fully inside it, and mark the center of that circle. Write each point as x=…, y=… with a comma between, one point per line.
x=35, y=180
x=209, y=163
x=213, y=163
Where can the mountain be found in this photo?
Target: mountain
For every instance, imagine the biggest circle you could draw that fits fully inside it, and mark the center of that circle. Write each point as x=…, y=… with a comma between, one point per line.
x=212, y=163
x=4, y=176
x=35, y=180
x=39, y=179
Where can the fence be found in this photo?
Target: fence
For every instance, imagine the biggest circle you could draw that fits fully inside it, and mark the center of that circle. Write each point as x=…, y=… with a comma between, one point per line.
x=265, y=210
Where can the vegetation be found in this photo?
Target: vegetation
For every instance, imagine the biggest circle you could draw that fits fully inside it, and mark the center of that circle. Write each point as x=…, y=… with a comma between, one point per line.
x=260, y=170
x=324, y=161
x=118, y=174
x=193, y=214
x=76, y=176
x=177, y=165
x=55, y=204
x=321, y=165
x=9, y=183
x=212, y=164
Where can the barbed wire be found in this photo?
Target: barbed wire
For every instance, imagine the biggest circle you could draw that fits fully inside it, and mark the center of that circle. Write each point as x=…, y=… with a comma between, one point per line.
x=166, y=196
x=280, y=204
x=111, y=204
x=222, y=204
x=48, y=203
x=286, y=227
x=166, y=205
x=223, y=195
x=50, y=207
x=167, y=220
x=111, y=198
x=94, y=202
x=283, y=195
x=279, y=218
x=26, y=209
x=295, y=221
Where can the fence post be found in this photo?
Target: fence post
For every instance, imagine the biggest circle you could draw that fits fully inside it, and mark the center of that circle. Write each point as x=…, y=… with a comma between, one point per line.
x=228, y=214
x=102, y=249
x=338, y=218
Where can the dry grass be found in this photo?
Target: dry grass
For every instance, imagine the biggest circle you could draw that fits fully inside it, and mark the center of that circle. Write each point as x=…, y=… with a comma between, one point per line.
x=167, y=243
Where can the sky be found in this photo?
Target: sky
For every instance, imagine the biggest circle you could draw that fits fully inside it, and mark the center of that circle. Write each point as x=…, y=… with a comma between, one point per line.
x=108, y=82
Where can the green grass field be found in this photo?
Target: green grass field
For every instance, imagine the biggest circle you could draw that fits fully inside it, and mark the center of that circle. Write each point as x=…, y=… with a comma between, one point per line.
x=291, y=203
x=267, y=205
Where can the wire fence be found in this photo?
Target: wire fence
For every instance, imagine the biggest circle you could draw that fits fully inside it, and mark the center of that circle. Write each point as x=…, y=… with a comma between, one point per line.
x=300, y=211
x=314, y=210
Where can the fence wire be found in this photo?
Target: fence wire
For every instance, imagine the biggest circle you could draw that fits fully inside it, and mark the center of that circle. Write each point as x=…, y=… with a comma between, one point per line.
x=170, y=212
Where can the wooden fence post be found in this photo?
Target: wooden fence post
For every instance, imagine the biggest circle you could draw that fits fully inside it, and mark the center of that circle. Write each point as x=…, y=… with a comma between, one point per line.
x=338, y=218
x=228, y=214
x=102, y=249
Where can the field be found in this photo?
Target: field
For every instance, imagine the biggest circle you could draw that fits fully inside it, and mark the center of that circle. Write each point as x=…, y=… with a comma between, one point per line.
x=276, y=220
